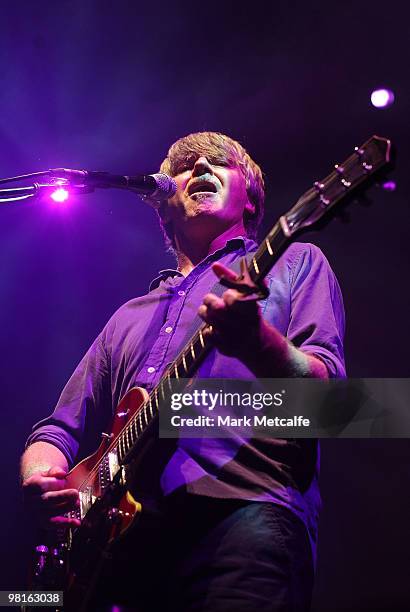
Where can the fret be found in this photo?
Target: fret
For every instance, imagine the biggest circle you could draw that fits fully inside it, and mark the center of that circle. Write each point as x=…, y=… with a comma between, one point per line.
x=310, y=207
x=121, y=448
x=137, y=429
x=181, y=370
x=265, y=257
x=130, y=434
x=133, y=433
x=134, y=425
x=127, y=434
x=201, y=341
x=198, y=346
x=255, y=265
x=189, y=359
x=124, y=439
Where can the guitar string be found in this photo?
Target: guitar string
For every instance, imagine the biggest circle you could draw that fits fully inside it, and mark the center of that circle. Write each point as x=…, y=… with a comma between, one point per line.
x=169, y=372
x=177, y=363
x=349, y=163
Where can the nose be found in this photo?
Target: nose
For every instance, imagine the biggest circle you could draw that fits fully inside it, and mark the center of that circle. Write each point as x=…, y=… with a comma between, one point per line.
x=202, y=166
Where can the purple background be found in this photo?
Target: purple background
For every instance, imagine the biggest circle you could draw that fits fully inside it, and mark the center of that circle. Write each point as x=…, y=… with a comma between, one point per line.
x=109, y=86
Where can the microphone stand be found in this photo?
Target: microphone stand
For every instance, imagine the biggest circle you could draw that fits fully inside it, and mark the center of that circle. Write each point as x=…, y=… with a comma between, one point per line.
x=147, y=187
x=19, y=194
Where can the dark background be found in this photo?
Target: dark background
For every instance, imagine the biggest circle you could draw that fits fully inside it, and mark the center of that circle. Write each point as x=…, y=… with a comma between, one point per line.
x=109, y=86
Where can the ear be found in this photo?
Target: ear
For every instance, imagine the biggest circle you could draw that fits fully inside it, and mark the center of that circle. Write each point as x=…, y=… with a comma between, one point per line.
x=163, y=211
x=250, y=209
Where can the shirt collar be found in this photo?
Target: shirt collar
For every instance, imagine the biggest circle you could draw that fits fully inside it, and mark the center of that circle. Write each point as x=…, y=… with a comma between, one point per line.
x=230, y=245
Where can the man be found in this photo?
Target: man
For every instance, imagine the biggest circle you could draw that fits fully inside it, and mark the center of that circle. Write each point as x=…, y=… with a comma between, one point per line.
x=234, y=521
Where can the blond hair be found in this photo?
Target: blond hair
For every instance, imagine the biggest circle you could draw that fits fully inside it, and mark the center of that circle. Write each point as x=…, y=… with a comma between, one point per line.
x=218, y=149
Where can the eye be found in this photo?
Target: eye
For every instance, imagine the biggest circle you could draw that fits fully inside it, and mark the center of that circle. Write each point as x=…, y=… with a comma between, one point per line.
x=222, y=163
x=183, y=167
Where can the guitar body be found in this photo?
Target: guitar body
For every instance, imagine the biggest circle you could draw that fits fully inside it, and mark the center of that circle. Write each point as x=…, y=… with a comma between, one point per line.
x=71, y=559
x=105, y=479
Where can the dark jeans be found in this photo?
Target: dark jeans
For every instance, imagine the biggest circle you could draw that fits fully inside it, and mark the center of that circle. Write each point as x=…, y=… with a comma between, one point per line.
x=200, y=554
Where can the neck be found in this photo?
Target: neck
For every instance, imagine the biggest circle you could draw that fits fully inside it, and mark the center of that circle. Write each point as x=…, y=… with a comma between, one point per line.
x=191, y=252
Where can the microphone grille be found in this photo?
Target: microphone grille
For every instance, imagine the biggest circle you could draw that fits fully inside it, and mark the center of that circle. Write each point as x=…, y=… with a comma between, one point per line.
x=166, y=187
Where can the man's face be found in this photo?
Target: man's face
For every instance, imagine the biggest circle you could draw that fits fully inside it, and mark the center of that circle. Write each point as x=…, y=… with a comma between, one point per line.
x=208, y=193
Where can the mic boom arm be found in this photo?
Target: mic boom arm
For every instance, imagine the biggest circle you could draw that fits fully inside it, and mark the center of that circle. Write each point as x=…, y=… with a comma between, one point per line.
x=155, y=186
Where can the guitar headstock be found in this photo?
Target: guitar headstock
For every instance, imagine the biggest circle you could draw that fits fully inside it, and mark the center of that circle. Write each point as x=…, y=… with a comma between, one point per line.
x=347, y=176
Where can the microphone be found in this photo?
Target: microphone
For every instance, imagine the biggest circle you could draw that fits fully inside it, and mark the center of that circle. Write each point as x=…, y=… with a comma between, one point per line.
x=153, y=186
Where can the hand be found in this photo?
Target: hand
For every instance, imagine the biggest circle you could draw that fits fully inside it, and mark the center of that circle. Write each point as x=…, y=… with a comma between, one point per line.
x=47, y=498
x=235, y=318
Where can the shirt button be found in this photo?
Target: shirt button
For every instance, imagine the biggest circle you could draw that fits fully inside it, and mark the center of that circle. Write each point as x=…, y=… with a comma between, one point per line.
x=168, y=330
x=150, y=369
x=181, y=293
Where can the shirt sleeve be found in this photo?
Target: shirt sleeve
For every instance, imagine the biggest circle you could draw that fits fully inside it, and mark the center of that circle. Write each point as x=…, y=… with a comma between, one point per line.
x=317, y=320
x=83, y=409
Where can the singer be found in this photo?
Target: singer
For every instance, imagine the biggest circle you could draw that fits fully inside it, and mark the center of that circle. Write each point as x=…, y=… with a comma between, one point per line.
x=227, y=524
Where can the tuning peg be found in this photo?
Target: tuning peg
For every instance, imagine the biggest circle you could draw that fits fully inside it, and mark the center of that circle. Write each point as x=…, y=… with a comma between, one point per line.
x=360, y=153
x=340, y=171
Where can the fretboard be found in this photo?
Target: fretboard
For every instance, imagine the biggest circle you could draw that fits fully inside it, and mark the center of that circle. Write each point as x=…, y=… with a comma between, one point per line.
x=195, y=350
x=311, y=206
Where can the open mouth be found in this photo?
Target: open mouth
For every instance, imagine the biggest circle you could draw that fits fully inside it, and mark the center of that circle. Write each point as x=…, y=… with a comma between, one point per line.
x=202, y=187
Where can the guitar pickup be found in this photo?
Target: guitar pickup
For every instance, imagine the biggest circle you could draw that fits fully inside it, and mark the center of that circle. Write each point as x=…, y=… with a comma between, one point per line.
x=86, y=500
x=113, y=464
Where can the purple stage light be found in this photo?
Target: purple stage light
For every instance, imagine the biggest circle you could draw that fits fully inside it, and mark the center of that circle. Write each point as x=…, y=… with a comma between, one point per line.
x=389, y=185
x=382, y=98
x=60, y=195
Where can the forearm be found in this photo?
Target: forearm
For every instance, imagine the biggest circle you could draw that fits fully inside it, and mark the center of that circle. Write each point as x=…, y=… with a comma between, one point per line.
x=273, y=355
x=40, y=457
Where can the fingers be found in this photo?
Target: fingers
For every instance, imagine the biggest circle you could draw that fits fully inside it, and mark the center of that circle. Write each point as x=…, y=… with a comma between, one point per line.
x=48, y=499
x=213, y=301
x=254, y=291
x=222, y=271
x=216, y=310
x=60, y=521
x=55, y=471
x=229, y=298
x=49, y=509
x=54, y=502
x=37, y=483
x=213, y=309
x=66, y=497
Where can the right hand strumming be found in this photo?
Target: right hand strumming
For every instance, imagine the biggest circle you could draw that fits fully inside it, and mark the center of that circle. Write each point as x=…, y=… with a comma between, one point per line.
x=48, y=499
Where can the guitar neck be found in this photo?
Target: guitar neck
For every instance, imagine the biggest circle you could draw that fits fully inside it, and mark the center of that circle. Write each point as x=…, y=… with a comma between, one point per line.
x=311, y=206
x=196, y=349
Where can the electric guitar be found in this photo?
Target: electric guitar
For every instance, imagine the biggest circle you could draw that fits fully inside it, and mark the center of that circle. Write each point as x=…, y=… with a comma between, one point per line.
x=107, y=508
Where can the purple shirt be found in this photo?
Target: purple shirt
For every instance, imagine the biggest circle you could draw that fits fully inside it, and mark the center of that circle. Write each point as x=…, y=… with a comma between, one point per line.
x=146, y=334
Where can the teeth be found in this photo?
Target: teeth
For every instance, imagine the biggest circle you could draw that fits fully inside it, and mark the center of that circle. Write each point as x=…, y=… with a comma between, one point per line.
x=202, y=189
